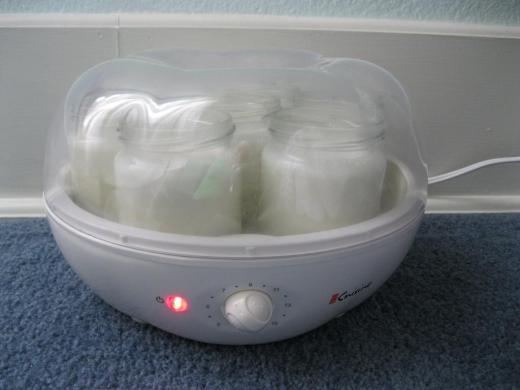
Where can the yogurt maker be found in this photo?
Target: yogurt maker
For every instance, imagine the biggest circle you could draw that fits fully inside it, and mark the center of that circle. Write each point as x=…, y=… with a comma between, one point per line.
x=237, y=197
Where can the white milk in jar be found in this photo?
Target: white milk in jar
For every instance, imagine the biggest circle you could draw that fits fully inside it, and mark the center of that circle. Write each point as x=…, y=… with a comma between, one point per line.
x=181, y=176
x=96, y=143
x=322, y=169
x=250, y=115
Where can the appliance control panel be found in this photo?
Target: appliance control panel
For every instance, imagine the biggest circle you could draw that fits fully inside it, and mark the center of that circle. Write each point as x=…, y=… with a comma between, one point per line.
x=248, y=307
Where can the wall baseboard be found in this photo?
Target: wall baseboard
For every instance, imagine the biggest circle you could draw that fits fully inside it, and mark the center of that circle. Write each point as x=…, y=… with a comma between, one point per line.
x=473, y=204
x=21, y=208
x=33, y=207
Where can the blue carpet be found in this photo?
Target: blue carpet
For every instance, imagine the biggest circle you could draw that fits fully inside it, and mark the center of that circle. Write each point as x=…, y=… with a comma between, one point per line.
x=448, y=318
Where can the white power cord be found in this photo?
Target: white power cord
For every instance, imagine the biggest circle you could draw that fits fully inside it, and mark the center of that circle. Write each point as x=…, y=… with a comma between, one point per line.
x=473, y=167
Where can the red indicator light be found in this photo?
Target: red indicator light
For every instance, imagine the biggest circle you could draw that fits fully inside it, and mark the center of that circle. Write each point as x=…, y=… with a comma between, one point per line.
x=176, y=303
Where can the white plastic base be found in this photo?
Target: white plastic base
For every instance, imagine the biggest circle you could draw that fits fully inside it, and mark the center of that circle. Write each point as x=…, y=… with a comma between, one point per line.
x=306, y=290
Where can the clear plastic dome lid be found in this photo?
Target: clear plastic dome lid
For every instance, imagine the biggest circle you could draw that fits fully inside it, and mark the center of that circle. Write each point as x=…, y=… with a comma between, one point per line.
x=146, y=145
x=138, y=118
x=243, y=106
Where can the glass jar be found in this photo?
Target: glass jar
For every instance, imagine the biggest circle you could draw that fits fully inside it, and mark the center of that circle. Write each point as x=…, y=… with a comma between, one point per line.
x=250, y=113
x=323, y=168
x=180, y=179
x=94, y=146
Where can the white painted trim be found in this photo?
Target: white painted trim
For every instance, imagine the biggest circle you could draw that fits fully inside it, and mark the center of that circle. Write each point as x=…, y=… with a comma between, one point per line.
x=21, y=208
x=56, y=20
x=473, y=204
x=33, y=207
x=250, y=22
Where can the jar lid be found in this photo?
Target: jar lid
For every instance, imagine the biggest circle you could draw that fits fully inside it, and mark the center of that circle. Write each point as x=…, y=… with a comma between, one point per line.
x=244, y=105
x=339, y=123
x=140, y=120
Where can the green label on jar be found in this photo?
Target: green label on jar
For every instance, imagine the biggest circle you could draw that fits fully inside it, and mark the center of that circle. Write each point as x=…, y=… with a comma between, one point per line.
x=211, y=184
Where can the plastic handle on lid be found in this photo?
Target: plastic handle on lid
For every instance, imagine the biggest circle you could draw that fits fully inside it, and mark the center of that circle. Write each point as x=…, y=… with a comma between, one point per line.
x=249, y=310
